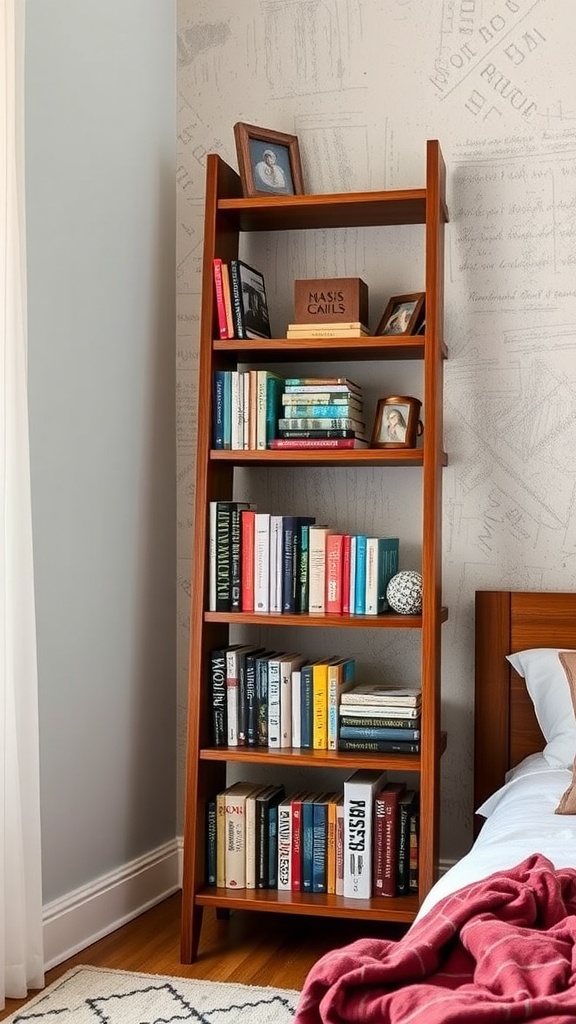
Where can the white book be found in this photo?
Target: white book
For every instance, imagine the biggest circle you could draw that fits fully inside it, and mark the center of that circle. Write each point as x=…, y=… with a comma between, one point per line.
x=261, y=399
x=372, y=579
x=262, y=562
x=379, y=711
x=250, y=843
x=235, y=835
x=359, y=792
x=236, y=411
x=232, y=690
x=317, y=567
x=245, y=378
x=275, y=583
x=212, y=557
x=274, y=700
x=285, y=844
x=352, y=600
x=287, y=665
x=296, y=708
x=379, y=693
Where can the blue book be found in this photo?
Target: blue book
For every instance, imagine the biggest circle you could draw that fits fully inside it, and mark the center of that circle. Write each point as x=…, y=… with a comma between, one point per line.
x=371, y=732
x=308, y=841
x=291, y=560
x=319, y=843
x=277, y=796
x=306, y=707
x=322, y=411
x=303, y=576
x=360, y=577
x=227, y=410
x=218, y=409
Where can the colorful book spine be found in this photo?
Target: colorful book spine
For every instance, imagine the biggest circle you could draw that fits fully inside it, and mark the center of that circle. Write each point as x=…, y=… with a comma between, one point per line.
x=337, y=435
x=330, y=423
x=331, y=844
x=274, y=670
x=247, y=520
x=407, y=806
x=262, y=562
x=308, y=842
x=219, y=296
x=351, y=410
x=414, y=849
x=218, y=409
x=380, y=746
x=290, y=398
x=274, y=385
x=228, y=409
x=389, y=565
x=303, y=567
x=306, y=707
x=340, y=678
x=220, y=839
x=375, y=721
x=320, y=844
x=390, y=797
x=302, y=443
x=211, y=842
x=223, y=556
x=346, y=545
x=296, y=806
x=320, y=705
x=340, y=845
x=368, y=732
x=334, y=574
x=360, y=576
x=285, y=845
x=218, y=697
x=317, y=568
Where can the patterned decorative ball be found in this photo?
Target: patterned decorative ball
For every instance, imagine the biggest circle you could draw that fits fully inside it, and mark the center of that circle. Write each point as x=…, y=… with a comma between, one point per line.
x=404, y=592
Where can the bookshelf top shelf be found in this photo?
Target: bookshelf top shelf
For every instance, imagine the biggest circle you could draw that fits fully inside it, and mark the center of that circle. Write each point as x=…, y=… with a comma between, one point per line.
x=348, y=210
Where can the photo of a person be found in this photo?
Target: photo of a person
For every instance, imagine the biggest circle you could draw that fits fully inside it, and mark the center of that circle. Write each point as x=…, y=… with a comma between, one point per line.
x=400, y=319
x=271, y=168
x=394, y=424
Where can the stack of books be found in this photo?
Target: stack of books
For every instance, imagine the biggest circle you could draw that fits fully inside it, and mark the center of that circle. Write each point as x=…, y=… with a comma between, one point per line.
x=358, y=843
x=241, y=303
x=321, y=412
x=349, y=329
x=379, y=718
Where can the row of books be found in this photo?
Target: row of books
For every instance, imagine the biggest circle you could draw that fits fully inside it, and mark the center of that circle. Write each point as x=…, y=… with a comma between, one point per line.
x=253, y=410
x=265, y=563
x=265, y=698
x=241, y=303
x=358, y=843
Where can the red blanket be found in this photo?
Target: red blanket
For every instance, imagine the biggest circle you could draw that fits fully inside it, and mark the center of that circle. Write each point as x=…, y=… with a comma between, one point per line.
x=503, y=949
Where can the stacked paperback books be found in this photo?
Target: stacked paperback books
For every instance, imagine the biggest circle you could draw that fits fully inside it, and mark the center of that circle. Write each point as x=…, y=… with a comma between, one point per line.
x=266, y=563
x=276, y=699
x=348, y=329
x=321, y=412
x=246, y=406
x=380, y=719
x=359, y=843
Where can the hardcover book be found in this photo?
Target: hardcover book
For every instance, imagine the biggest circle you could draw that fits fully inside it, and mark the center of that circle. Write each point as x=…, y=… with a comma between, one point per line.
x=331, y=300
x=249, y=304
x=406, y=808
x=379, y=693
x=327, y=331
x=235, y=834
x=387, y=804
x=309, y=444
x=359, y=793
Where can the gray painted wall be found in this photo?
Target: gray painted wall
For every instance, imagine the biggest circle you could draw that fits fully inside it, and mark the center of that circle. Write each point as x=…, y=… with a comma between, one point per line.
x=100, y=136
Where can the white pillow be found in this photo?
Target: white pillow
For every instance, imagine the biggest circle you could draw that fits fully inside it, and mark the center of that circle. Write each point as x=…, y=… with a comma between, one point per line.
x=548, y=687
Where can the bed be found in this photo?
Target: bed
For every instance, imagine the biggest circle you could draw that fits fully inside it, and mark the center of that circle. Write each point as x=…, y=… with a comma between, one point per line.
x=495, y=939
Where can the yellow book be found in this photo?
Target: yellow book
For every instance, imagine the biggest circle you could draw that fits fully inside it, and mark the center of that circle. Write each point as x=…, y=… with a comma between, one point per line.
x=331, y=845
x=320, y=705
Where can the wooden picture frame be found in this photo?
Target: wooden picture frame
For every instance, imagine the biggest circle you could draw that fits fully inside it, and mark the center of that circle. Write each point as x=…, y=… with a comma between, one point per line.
x=397, y=423
x=268, y=161
x=402, y=315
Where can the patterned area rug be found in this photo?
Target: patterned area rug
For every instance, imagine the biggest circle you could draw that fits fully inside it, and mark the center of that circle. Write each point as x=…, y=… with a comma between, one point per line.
x=93, y=995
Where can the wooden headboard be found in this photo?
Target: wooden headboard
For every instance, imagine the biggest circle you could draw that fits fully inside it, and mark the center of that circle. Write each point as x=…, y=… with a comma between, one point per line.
x=505, y=727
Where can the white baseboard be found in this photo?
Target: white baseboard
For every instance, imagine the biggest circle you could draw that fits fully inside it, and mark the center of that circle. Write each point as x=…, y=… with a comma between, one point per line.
x=76, y=920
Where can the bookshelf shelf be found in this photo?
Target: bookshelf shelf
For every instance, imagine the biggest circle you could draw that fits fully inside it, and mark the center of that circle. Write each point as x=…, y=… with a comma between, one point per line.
x=228, y=214
x=400, y=908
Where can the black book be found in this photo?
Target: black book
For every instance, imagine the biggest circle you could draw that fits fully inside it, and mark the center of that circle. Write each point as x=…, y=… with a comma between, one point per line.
x=223, y=556
x=218, y=697
x=267, y=835
x=247, y=654
x=256, y=693
x=211, y=842
x=237, y=507
x=291, y=545
x=316, y=433
x=380, y=746
x=249, y=304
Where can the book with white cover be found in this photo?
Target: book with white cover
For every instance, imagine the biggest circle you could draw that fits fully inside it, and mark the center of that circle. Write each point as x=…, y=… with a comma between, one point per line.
x=275, y=582
x=262, y=562
x=359, y=792
x=379, y=693
x=287, y=666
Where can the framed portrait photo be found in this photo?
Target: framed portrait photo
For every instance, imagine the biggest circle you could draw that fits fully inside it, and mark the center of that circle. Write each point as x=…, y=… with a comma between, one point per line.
x=397, y=423
x=402, y=315
x=268, y=161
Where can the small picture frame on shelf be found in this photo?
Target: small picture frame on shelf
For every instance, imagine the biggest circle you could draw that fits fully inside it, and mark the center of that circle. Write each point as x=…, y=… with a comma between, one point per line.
x=268, y=161
x=402, y=315
x=397, y=423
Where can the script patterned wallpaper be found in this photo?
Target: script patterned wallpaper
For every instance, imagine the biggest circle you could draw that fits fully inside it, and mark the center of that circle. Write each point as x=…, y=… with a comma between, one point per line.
x=363, y=84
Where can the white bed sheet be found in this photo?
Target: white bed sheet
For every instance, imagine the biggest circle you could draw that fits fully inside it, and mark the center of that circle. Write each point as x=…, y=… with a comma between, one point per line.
x=520, y=821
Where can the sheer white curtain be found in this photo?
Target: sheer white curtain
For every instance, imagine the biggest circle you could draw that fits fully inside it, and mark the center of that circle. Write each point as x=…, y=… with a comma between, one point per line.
x=21, y=952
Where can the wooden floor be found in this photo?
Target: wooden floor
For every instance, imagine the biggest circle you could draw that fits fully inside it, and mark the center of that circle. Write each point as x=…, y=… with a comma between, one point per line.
x=253, y=949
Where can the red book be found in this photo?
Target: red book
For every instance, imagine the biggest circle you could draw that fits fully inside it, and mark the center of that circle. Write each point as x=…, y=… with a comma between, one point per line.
x=386, y=809
x=247, y=560
x=286, y=443
x=220, y=304
x=333, y=599
x=346, y=574
x=296, y=810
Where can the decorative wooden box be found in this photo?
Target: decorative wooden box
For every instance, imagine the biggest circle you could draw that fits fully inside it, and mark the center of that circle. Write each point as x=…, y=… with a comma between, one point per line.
x=328, y=300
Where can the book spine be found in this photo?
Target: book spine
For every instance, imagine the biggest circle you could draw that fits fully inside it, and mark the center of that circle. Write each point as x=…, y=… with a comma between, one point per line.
x=227, y=409
x=297, y=398
x=378, y=845
x=296, y=808
x=218, y=409
x=273, y=838
x=335, y=384
x=251, y=701
x=317, y=568
x=369, y=732
x=360, y=581
x=414, y=849
x=236, y=556
x=331, y=845
x=307, y=843
x=407, y=805
x=334, y=571
x=274, y=387
x=235, y=848
x=218, y=697
x=242, y=699
x=310, y=423
x=245, y=385
x=227, y=299
x=221, y=839
x=274, y=703
x=276, y=565
x=319, y=846
x=247, y=519
x=340, y=846
x=337, y=435
x=289, y=528
x=380, y=746
x=262, y=841
x=211, y=842
x=286, y=703
x=322, y=411
x=232, y=669
x=320, y=706
x=375, y=721
x=284, y=846
x=237, y=411
x=262, y=562
x=353, y=547
x=302, y=443
x=262, y=700
x=212, y=556
x=296, y=708
x=389, y=564
x=261, y=408
x=306, y=707
x=223, y=556
x=340, y=678
x=358, y=810
x=236, y=296
x=219, y=296
x=250, y=840
x=372, y=582
x=303, y=565
x=346, y=574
